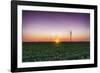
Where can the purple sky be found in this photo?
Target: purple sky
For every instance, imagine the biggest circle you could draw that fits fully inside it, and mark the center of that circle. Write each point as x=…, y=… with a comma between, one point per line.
x=49, y=24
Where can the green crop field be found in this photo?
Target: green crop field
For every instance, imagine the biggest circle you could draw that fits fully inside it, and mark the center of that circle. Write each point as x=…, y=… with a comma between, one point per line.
x=50, y=51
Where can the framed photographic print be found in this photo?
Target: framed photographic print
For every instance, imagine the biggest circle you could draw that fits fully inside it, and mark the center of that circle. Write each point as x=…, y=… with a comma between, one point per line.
x=51, y=36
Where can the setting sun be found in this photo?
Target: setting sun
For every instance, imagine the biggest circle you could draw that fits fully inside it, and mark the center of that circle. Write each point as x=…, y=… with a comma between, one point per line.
x=57, y=40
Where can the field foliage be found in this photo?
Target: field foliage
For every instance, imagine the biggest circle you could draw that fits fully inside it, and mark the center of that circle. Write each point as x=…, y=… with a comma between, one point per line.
x=50, y=51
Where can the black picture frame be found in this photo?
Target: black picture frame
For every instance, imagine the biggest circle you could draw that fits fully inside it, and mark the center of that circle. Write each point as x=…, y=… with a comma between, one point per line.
x=14, y=40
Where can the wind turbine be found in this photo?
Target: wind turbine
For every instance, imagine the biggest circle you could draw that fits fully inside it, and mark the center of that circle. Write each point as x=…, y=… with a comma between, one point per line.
x=71, y=35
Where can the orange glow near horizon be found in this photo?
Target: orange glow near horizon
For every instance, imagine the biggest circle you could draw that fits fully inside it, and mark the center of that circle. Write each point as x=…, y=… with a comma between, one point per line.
x=57, y=39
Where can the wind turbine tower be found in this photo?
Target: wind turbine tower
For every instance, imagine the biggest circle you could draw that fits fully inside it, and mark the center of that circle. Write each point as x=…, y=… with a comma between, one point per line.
x=71, y=36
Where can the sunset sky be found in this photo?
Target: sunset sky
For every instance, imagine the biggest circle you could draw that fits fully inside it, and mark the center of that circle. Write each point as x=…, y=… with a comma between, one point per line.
x=44, y=26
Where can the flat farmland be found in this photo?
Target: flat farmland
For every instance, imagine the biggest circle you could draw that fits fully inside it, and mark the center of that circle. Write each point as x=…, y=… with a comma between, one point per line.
x=51, y=51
